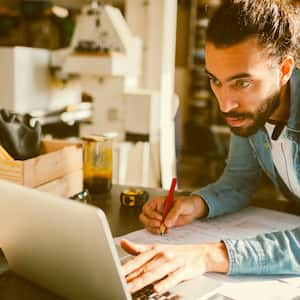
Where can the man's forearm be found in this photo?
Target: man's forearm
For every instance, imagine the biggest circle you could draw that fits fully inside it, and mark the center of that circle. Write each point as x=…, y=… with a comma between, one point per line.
x=266, y=254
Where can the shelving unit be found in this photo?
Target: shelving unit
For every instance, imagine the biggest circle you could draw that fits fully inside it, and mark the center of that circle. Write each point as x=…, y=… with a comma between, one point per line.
x=205, y=134
x=202, y=105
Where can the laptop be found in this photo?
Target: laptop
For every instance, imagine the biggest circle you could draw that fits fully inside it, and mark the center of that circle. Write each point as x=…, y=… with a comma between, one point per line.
x=67, y=247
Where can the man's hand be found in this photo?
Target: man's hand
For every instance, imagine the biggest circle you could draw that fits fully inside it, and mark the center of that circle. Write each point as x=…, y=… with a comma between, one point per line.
x=168, y=265
x=184, y=210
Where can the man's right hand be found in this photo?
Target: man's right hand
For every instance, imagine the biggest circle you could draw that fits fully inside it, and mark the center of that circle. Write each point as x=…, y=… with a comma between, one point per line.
x=184, y=210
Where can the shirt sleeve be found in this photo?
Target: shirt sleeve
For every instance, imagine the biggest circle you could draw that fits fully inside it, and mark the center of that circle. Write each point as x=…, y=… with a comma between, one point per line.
x=233, y=190
x=266, y=254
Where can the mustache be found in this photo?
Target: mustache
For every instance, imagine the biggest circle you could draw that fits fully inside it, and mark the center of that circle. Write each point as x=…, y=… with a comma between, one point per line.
x=233, y=114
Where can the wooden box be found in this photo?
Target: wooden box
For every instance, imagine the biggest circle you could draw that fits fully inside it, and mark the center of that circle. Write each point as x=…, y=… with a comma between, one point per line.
x=58, y=169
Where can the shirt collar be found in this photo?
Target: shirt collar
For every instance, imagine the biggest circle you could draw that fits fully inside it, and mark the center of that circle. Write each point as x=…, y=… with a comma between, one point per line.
x=293, y=130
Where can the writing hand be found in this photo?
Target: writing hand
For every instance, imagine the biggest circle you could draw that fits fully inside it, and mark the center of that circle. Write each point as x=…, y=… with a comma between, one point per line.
x=184, y=210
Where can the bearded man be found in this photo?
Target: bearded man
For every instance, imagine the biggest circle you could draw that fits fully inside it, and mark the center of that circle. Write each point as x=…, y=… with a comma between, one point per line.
x=252, y=54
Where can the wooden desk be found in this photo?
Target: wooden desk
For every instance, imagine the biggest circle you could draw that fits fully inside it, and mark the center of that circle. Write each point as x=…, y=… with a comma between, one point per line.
x=121, y=219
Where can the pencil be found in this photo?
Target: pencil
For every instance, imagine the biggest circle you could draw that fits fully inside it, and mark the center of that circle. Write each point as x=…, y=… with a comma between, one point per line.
x=167, y=207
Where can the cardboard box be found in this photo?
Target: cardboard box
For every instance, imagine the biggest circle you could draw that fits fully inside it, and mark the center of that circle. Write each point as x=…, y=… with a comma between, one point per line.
x=58, y=169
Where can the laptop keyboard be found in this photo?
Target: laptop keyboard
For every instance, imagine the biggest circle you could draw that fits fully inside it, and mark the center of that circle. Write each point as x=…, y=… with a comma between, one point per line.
x=147, y=293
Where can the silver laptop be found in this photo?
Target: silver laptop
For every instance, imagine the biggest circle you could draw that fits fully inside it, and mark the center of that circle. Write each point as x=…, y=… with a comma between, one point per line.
x=67, y=247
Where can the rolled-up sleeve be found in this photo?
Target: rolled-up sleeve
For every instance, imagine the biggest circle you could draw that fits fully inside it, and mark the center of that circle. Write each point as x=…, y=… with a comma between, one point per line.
x=233, y=190
x=266, y=254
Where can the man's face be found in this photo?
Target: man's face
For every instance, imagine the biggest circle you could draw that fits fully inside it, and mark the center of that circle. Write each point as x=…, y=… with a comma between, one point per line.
x=245, y=83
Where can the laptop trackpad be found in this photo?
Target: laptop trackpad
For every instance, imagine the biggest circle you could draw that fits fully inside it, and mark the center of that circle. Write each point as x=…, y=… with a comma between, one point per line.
x=195, y=288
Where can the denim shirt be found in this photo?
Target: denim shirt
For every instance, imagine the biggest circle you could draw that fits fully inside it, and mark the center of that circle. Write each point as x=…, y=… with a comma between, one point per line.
x=271, y=253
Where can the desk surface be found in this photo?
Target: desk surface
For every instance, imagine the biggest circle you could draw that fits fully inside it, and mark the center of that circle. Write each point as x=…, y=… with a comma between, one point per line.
x=122, y=220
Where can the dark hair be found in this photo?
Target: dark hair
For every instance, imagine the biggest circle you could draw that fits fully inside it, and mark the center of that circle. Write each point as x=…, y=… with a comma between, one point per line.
x=273, y=23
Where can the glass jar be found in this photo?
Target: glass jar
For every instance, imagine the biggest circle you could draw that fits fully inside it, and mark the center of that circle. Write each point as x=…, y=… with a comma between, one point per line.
x=97, y=163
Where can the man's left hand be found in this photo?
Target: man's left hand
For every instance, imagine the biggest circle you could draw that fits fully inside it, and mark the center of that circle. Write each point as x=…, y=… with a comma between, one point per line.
x=168, y=265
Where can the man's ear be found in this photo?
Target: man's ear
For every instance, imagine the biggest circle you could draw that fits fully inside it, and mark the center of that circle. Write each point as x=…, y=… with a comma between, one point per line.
x=286, y=69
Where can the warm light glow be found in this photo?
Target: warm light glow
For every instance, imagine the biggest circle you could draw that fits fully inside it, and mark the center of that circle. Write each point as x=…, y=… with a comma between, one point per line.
x=60, y=12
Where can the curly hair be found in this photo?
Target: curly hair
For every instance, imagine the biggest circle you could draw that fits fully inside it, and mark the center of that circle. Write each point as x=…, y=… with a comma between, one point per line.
x=274, y=23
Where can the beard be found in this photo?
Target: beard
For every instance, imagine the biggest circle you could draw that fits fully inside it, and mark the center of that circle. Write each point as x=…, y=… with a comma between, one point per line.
x=257, y=119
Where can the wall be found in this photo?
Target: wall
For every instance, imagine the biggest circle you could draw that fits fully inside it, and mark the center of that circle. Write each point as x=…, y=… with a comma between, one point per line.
x=69, y=3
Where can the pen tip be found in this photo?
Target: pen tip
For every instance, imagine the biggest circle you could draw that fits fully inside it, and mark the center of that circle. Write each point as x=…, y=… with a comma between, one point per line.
x=162, y=229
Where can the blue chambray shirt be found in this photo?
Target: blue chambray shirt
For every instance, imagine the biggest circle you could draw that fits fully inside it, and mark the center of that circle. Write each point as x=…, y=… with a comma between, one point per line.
x=271, y=253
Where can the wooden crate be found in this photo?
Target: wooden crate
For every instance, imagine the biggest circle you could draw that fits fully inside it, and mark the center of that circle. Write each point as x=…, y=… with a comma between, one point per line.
x=58, y=169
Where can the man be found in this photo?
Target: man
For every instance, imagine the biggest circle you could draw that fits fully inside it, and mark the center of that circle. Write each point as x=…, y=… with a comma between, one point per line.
x=251, y=59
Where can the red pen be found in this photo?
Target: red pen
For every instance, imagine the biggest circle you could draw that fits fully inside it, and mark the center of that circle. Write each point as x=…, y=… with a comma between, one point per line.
x=167, y=207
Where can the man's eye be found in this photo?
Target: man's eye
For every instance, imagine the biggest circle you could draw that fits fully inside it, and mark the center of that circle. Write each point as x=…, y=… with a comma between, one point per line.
x=242, y=83
x=214, y=81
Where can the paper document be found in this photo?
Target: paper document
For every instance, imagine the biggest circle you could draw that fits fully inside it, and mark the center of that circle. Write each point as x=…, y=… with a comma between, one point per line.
x=262, y=290
x=293, y=281
x=246, y=223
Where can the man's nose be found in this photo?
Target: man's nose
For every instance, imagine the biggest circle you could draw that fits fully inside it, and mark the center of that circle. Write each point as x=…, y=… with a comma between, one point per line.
x=227, y=101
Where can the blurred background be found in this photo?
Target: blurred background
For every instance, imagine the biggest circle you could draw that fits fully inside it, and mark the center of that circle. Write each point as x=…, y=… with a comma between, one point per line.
x=80, y=90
